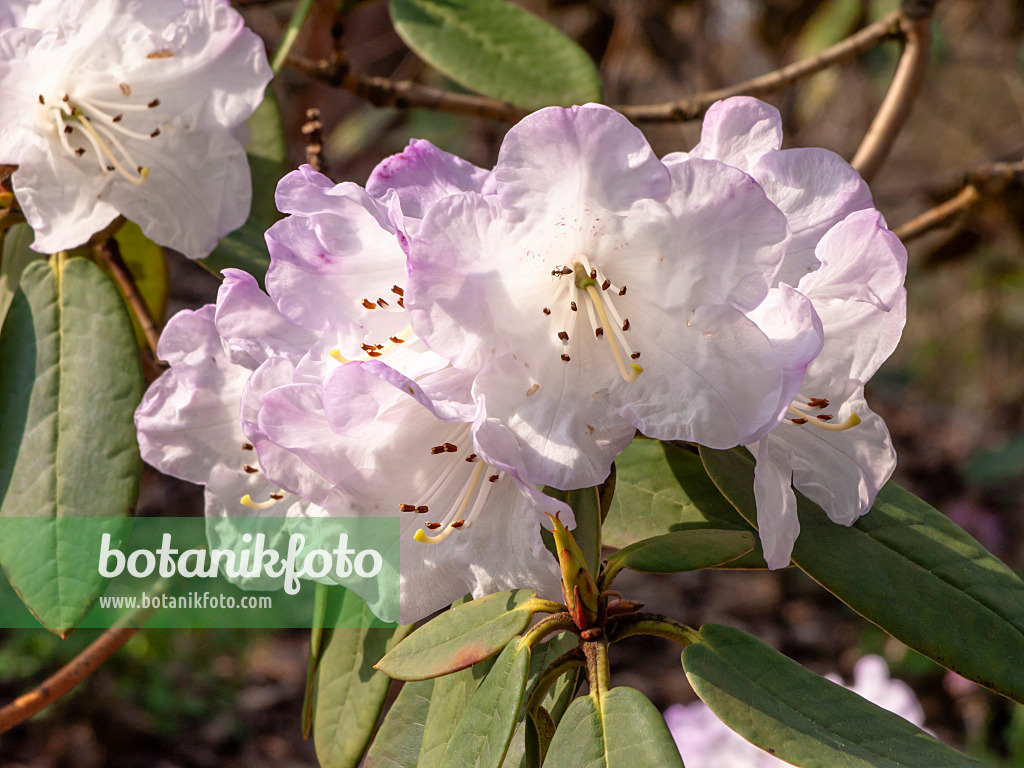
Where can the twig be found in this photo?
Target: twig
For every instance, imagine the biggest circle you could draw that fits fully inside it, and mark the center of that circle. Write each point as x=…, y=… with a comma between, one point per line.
x=109, y=251
x=984, y=181
x=382, y=92
x=70, y=675
x=886, y=28
x=312, y=129
x=896, y=106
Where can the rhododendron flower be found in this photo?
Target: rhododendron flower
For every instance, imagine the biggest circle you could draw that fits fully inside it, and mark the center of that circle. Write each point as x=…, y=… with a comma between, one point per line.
x=704, y=741
x=617, y=287
x=127, y=107
x=386, y=445
x=832, y=447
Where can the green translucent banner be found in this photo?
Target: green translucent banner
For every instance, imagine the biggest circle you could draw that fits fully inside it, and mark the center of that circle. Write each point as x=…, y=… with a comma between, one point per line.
x=195, y=572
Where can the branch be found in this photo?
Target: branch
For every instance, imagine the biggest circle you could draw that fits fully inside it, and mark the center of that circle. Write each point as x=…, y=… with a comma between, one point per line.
x=886, y=28
x=895, y=109
x=984, y=181
x=70, y=675
x=110, y=252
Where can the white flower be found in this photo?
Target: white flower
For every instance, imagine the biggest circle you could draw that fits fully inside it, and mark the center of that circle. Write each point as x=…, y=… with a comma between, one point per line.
x=127, y=107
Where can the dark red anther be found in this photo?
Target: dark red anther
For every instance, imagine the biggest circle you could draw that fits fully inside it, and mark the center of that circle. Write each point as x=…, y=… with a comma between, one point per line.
x=799, y=421
x=397, y=290
x=250, y=470
x=599, y=331
x=493, y=478
x=625, y=324
x=471, y=458
x=407, y=507
x=369, y=304
x=422, y=508
x=606, y=285
x=433, y=526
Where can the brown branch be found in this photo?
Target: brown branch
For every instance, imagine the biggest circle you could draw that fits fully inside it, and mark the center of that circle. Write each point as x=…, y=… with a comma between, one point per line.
x=110, y=252
x=899, y=99
x=884, y=29
x=984, y=181
x=70, y=675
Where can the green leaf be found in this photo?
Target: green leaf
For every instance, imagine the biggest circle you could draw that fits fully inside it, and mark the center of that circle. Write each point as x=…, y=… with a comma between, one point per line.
x=624, y=730
x=460, y=637
x=555, y=701
x=680, y=551
x=661, y=488
x=350, y=693
x=452, y=694
x=499, y=50
x=16, y=256
x=907, y=568
x=800, y=717
x=397, y=743
x=70, y=381
x=245, y=248
x=482, y=736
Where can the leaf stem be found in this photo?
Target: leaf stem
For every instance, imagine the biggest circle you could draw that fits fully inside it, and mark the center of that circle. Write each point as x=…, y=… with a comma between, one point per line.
x=559, y=622
x=598, y=675
x=567, y=661
x=110, y=253
x=653, y=624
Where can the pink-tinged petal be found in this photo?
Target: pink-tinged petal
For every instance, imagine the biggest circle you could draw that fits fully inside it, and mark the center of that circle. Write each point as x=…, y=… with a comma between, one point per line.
x=716, y=380
x=421, y=175
x=251, y=325
x=816, y=189
x=777, y=523
x=738, y=131
x=841, y=472
x=722, y=217
x=567, y=439
x=573, y=158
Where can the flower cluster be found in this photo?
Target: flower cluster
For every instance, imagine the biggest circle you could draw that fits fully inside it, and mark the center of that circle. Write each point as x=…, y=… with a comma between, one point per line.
x=442, y=342
x=133, y=108
x=704, y=741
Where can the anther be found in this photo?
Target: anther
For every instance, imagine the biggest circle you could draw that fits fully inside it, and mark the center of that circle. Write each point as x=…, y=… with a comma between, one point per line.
x=565, y=358
x=635, y=355
x=605, y=285
x=599, y=332
x=401, y=302
x=422, y=508
x=68, y=129
x=458, y=523
x=407, y=507
x=117, y=118
x=381, y=302
x=155, y=133
x=154, y=103
x=823, y=417
x=546, y=311
x=436, y=450
x=396, y=340
x=471, y=458
x=248, y=447
x=799, y=421
x=277, y=496
x=593, y=274
x=369, y=304
x=563, y=335
x=65, y=97
x=41, y=99
x=572, y=305
x=80, y=151
x=450, y=448
x=493, y=478
x=622, y=291
x=818, y=402
x=368, y=347
x=397, y=290
x=374, y=353
x=625, y=324
x=249, y=469
x=433, y=526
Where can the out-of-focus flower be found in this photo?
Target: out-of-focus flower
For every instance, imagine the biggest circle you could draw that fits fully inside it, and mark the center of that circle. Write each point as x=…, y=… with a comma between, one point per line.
x=704, y=741
x=597, y=290
x=127, y=107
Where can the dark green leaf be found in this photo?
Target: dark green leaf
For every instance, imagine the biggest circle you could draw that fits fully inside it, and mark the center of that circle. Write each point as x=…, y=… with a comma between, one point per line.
x=482, y=736
x=462, y=636
x=910, y=570
x=624, y=731
x=499, y=50
x=800, y=717
x=452, y=694
x=16, y=256
x=350, y=693
x=397, y=743
x=245, y=248
x=70, y=381
x=661, y=488
x=683, y=551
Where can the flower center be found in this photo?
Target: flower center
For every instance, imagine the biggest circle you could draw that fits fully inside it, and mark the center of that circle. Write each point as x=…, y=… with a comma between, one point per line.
x=594, y=291
x=382, y=348
x=91, y=124
x=251, y=467
x=801, y=414
x=469, y=500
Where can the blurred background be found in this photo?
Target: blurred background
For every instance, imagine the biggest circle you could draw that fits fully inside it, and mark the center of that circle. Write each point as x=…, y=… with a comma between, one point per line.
x=952, y=394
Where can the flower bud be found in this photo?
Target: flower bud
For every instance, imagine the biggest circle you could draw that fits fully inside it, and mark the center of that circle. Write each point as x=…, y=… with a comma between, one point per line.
x=579, y=590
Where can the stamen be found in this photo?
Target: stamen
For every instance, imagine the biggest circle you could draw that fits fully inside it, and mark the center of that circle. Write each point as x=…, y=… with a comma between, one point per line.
x=369, y=304
x=396, y=289
x=407, y=507
x=91, y=132
x=246, y=501
x=605, y=284
x=622, y=291
x=471, y=458
x=468, y=491
x=588, y=282
x=805, y=418
x=564, y=336
x=249, y=469
x=248, y=447
x=572, y=305
x=381, y=302
x=565, y=358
